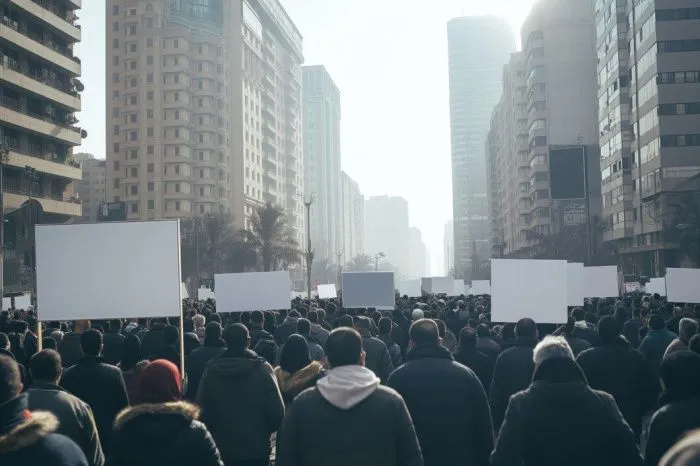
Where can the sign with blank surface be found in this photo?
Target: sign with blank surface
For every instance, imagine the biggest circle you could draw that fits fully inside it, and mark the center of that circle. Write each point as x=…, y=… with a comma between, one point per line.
x=108, y=270
x=256, y=291
x=480, y=287
x=438, y=285
x=410, y=288
x=529, y=288
x=368, y=289
x=327, y=291
x=575, y=284
x=656, y=286
x=683, y=285
x=600, y=282
x=458, y=288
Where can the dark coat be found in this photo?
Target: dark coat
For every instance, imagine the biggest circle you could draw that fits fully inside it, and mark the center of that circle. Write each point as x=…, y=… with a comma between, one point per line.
x=164, y=434
x=196, y=363
x=168, y=353
x=512, y=373
x=153, y=342
x=624, y=373
x=69, y=349
x=132, y=381
x=559, y=420
x=191, y=341
x=589, y=334
x=578, y=345
x=74, y=416
x=101, y=386
x=257, y=334
x=489, y=347
x=319, y=333
x=23, y=372
x=286, y=328
x=293, y=384
x=481, y=364
x=631, y=331
x=241, y=405
x=668, y=425
x=377, y=357
x=654, y=345
x=448, y=407
x=394, y=350
x=376, y=432
x=112, y=347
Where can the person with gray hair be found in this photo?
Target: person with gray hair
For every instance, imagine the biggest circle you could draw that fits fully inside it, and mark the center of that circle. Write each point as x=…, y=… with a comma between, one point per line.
x=687, y=328
x=559, y=419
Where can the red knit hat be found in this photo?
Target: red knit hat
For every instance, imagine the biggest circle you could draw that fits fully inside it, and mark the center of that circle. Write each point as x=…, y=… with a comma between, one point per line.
x=160, y=382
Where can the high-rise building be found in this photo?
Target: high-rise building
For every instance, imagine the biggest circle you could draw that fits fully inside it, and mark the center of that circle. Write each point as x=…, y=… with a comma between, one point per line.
x=321, y=109
x=418, y=256
x=39, y=96
x=543, y=153
x=478, y=47
x=352, y=219
x=203, y=108
x=387, y=231
x=649, y=115
x=448, y=248
x=92, y=189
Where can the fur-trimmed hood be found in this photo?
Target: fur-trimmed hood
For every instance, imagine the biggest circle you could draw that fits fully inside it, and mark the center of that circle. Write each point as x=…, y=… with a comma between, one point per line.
x=187, y=411
x=292, y=384
x=39, y=425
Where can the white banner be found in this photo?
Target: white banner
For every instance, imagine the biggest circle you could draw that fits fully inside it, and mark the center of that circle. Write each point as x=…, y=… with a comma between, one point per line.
x=410, y=288
x=257, y=291
x=368, y=289
x=204, y=293
x=458, y=288
x=480, y=287
x=575, y=284
x=600, y=282
x=327, y=291
x=656, y=285
x=683, y=285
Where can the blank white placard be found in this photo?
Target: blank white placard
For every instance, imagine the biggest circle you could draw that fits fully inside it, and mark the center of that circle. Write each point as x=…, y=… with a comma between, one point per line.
x=327, y=291
x=575, y=284
x=600, y=282
x=183, y=291
x=528, y=288
x=656, y=285
x=458, y=288
x=108, y=270
x=410, y=288
x=256, y=291
x=438, y=285
x=480, y=287
x=23, y=301
x=6, y=304
x=368, y=289
x=683, y=285
x=204, y=293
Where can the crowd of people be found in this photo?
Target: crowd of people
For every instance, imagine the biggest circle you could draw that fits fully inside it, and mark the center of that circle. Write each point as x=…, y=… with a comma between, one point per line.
x=433, y=382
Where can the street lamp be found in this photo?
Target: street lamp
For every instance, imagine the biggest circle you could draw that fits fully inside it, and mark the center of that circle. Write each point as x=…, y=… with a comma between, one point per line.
x=309, y=253
x=378, y=256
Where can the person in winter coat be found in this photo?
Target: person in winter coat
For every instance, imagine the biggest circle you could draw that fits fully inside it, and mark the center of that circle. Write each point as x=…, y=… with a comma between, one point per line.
x=473, y=359
x=171, y=350
x=153, y=339
x=113, y=341
x=513, y=370
x=199, y=322
x=348, y=418
x=318, y=333
x=75, y=419
x=5, y=351
x=385, y=334
x=240, y=401
x=296, y=371
x=287, y=327
x=163, y=429
x=432, y=385
x=378, y=359
x=560, y=420
x=631, y=328
x=315, y=350
x=684, y=453
x=26, y=438
x=198, y=359
x=687, y=329
x=69, y=347
x=132, y=365
x=98, y=384
x=654, y=344
x=257, y=332
x=616, y=368
x=680, y=404
x=578, y=345
x=485, y=344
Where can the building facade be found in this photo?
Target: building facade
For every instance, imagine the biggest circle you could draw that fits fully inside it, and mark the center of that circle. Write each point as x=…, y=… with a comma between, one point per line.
x=448, y=248
x=321, y=110
x=92, y=188
x=478, y=47
x=649, y=114
x=418, y=256
x=352, y=219
x=203, y=108
x=39, y=97
x=387, y=230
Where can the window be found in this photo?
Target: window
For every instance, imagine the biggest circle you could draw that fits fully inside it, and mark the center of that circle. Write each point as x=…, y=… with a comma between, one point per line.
x=149, y=78
x=132, y=82
x=134, y=189
x=149, y=112
x=115, y=148
x=134, y=208
x=116, y=165
x=115, y=43
x=149, y=22
x=177, y=205
x=133, y=135
x=133, y=100
x=177, y=169
x=149, y=168
x=690, y=108
x=149, y=60
x=149, y=150
x=115, y=130
x=177, y=187
x=115, y=113
x=132, y=48
x=678, y=14
x=149, y=131
x=133, y=154
x=151, y=186
x=116, y=183
x=115, y=77
x=115, y=95
x=680, y=140
x=132, y=30
x=134, y=172
x=201, y=191
x=176, y=43
x=115, y=9
x=673, y=46
x=151, y=204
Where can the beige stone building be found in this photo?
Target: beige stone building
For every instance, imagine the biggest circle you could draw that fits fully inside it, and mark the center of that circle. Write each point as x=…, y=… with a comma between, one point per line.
x=92, y=189
x=203, y=108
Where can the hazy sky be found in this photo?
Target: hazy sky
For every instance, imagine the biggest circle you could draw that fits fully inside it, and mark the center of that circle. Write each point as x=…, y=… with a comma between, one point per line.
x=389, y=59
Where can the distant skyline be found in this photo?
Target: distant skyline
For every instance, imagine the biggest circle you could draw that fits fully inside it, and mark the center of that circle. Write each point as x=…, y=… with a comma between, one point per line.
x=389, y=60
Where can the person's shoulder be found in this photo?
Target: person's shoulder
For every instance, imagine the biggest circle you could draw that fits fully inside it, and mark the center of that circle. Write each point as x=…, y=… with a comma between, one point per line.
x=60, y=450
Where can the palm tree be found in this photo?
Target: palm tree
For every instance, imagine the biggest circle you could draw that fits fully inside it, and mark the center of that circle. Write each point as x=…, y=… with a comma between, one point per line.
x=361, y=263
x=323, y=271
x=270, y=238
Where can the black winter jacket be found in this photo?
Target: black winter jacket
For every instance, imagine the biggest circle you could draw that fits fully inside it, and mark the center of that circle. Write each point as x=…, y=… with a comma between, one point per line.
x=512, y=373
x=196, y=363
x=377, y=357
x=481, y=364
x=668, y=425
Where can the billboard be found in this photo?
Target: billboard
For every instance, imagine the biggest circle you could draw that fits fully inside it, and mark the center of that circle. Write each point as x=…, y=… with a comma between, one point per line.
x=567, y=173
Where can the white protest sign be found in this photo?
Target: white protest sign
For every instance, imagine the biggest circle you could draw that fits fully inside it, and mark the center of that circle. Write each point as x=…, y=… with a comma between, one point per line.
x=600, y=282
x=410, y=288
x=109, y=266
x=480, y=287
x=529, y=288
x=204, y=293
x=368, y=289
x=6, y=304
x=327, y=291
x=256, y=291
x=23, y=301
x=438, y=285
x=683, y=285
x=183, y=291
x=575, y=284
x=656, y=286
x=457, y=288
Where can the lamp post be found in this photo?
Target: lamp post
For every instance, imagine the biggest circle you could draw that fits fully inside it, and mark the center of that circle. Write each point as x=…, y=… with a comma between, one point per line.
x=378, y=256
x=309, y=253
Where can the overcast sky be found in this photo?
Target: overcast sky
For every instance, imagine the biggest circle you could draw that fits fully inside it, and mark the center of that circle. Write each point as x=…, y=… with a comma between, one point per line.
x=389, y=59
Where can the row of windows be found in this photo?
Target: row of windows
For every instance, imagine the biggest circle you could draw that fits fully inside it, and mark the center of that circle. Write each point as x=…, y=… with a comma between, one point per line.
x=690, y=108
x=678, y=14
x=678, y=77
x=680, y=140
x=672, y=46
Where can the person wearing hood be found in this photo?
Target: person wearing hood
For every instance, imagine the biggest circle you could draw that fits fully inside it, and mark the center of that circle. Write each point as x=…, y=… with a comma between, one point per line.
x=513, y=369
x=348, y=418
x=656, y=341
x=297, y=371
x=687, y=328
x=132, y=365
x=378, y=359
x=69, y=347
x=582, y=328
x=5, y=351
x=318, y=333
x=257, y=332
x=240, y=401
x=684, y=453
x=75, y=419
x=287, y=327
x=30, y=438
x=559, y=419
x=162, y=429
x=433, y=384
x=680, y=404
x=198, y=359
x=618, y=369
x=477, y=361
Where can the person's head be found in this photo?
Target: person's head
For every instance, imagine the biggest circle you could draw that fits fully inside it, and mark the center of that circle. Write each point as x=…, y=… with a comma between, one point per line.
x=212, y=332
x=694, y=344
x=49, y=343
x=686, y=451
x=578, y=314
x=687, y=328
x=295, y=354
x=131, y=352
x=313, y=316
x=4, y=342
x=45, y=366
x=551, y=347
x=344, y=348
x=215, y=318
x=677, y=311
x=526, y=329
x=304, y=327
x=424, y=332
x=680, y=374
x=482, y=330
x=10, y=379
x=656, y=322
x=609, y=330
x=115, y=326
x=267, y=349
x=467, y=340
x=294, y=314
x=508, y=332
x=345, y=321
x=257, y=318
x=237, y=338
x=171, y=335
x=188, y=325
x=417, y=314
x=384, y=326
x=198, y=320
x=80, y=326
x=160, y=382
x=91, y=342
x=442, y=329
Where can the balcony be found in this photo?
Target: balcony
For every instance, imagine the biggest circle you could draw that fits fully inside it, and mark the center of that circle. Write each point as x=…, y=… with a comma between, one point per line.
x=76, y=4
x=40, y=83
x=45, y=164
x=47, y=50
x=60, y=19
x=57, y=205
x=47, y=126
